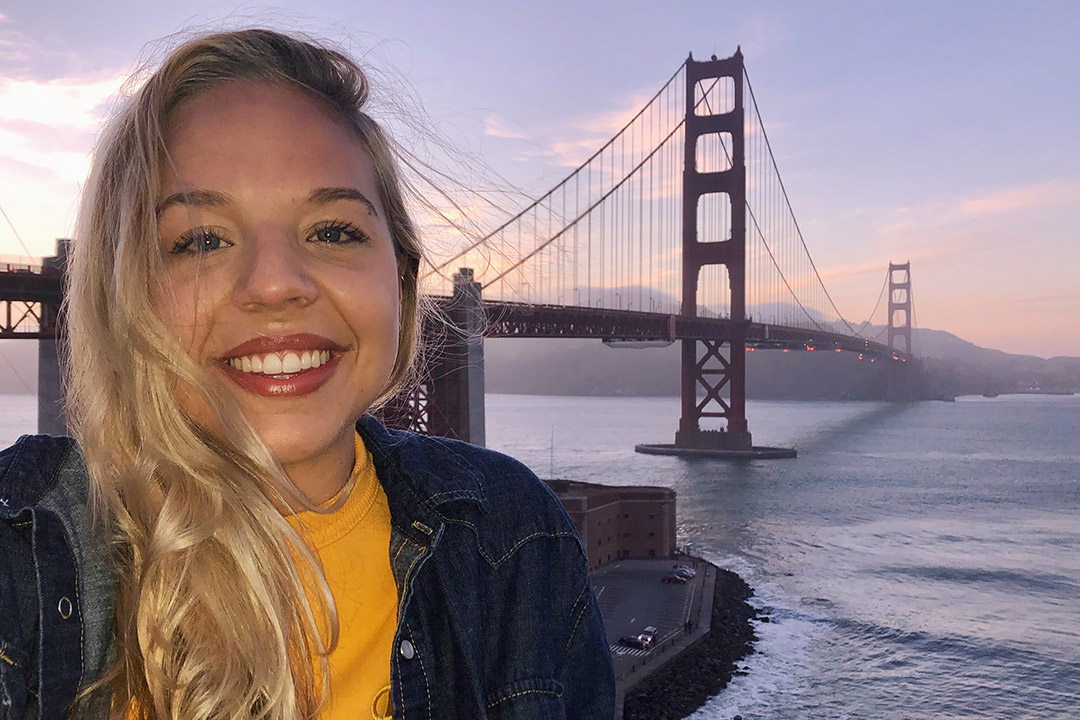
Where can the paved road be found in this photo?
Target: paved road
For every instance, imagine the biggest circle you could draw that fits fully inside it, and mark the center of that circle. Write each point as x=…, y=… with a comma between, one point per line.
x=632, y=597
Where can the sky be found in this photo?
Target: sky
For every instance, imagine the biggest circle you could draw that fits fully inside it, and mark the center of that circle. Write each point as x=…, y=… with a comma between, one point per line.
x=940, y=133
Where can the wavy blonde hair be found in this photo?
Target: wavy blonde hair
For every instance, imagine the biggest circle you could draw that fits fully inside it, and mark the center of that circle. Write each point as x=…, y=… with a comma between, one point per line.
x=211, y=616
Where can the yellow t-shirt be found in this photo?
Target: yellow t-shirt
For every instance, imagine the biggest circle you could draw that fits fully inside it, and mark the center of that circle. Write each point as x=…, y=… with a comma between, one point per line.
x=353, y=544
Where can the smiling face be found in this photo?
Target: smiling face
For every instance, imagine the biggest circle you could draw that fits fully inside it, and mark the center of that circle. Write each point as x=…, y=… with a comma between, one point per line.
x=282, y=275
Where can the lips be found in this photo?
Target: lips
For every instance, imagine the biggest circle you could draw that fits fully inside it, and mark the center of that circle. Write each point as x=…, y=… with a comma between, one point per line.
x=285, y=366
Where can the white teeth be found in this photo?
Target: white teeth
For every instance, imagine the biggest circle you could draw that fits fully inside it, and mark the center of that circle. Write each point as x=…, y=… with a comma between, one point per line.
x=273, y=364
x=290, y=363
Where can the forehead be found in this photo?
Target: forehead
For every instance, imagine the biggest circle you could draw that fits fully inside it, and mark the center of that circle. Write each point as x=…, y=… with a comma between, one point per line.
x=257, y=135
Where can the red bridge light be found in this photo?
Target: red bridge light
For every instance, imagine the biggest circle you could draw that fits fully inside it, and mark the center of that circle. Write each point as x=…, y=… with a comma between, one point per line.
x=838, y=350
x=810, y=348
x=860, y=356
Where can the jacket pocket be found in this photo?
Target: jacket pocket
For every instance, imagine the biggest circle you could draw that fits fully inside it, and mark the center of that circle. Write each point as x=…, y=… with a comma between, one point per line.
x=530, y=699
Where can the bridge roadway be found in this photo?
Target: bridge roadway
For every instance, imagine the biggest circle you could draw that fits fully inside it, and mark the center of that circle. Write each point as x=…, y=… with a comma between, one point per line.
x=23, y=284
x=557, y=321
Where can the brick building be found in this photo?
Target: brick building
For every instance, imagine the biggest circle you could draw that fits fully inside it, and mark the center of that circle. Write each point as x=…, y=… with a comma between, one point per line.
x=619, y=522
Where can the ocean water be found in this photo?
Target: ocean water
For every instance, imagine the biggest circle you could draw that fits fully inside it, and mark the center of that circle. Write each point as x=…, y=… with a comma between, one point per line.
x=916, y=561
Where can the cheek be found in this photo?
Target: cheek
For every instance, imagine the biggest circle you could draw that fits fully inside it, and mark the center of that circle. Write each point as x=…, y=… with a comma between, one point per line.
x=185, y=308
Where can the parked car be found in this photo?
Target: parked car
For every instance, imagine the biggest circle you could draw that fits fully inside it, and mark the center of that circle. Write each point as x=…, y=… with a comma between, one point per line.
x=643, y=641
x=673, y=579
x=685, y=570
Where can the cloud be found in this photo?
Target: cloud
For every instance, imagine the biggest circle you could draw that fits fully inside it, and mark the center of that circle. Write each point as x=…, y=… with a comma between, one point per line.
x=50, y=124
x=76, y=103
x=1046, y=194
x=495, y=126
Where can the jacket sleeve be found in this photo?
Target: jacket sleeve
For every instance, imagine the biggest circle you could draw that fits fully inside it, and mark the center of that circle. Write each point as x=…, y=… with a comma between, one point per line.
x=18, y=622
x=588, y=677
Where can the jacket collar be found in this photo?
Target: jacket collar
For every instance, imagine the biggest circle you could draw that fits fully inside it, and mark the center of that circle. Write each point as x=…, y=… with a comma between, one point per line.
x=428, y=469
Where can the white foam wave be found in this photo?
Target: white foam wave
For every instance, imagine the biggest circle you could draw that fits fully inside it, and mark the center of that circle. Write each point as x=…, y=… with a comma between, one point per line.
x=783, y=666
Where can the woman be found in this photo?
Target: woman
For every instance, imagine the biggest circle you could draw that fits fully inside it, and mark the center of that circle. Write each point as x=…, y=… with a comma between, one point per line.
x=242, y=290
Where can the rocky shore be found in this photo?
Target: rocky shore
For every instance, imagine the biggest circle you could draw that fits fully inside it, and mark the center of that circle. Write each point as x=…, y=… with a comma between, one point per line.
x=684, y=684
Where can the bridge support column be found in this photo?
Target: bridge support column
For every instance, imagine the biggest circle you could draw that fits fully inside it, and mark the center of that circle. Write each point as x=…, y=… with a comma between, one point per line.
x=900, y=378
x=900, y=305
x=52, y=419
x=449, y=399
x=711, y=369
x=717, y=366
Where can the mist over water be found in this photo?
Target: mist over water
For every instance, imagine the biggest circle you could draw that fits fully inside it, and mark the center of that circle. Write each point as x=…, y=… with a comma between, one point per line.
x=916, y=561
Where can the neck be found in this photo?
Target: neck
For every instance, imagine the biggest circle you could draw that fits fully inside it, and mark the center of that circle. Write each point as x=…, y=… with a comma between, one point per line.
x=320, y=478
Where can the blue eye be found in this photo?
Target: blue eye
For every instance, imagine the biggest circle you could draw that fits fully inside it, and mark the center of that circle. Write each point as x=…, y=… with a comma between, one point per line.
x=208, y=242
x=337, y=233
x=329, y=235
x=198, y=241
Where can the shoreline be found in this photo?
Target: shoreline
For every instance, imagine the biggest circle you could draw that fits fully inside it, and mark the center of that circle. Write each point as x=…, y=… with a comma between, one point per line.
x=700, y=672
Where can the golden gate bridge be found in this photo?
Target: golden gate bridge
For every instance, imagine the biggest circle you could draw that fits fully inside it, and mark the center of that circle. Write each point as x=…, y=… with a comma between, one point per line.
x=677, y=229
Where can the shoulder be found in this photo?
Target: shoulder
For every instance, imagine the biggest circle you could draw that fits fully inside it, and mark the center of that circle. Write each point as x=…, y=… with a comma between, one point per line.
x=37, y=465
x=501, y=498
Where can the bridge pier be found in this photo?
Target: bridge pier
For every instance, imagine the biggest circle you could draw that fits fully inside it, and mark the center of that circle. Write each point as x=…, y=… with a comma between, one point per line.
x=449, y=399
x=52, y=419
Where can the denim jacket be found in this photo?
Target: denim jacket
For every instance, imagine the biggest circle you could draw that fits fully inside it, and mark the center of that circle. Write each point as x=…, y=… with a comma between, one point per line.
x=496, y=612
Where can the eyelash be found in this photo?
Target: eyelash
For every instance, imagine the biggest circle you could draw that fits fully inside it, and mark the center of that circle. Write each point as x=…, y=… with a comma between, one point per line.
x=191, y=237
x=350, y=232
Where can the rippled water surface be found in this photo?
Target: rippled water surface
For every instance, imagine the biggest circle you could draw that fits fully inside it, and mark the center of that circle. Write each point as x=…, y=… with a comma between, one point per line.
x=917, y=561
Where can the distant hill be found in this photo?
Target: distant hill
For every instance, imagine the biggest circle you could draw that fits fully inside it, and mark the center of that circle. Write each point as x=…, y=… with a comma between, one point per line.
x=952, y=366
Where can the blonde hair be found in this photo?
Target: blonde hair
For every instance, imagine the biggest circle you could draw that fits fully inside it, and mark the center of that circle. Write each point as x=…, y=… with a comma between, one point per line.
x=211, y=616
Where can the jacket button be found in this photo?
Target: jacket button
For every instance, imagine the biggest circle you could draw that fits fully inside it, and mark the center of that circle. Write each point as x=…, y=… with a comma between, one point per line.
x=407, y=650
x=64, y=607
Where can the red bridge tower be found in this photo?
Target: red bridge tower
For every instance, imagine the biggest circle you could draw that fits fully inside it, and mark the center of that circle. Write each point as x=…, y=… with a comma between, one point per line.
x=705, y=362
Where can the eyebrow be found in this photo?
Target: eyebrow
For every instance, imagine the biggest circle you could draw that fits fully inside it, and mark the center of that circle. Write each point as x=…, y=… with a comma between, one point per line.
x=327, y=195
x=213, y=198
x=197, y=198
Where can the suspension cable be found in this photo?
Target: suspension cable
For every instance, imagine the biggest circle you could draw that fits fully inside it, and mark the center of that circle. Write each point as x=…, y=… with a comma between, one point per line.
x=876, y=305
x=567, y=179
x=787, y=200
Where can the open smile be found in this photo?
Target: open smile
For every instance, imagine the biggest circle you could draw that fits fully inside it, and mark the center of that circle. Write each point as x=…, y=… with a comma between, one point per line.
x=288, y=366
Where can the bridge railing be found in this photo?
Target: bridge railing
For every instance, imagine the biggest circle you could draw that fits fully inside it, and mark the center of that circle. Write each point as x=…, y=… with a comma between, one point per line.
x=15, y=268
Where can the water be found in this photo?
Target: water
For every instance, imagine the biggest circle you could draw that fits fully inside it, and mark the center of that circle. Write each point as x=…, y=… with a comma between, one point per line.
x=917, y=561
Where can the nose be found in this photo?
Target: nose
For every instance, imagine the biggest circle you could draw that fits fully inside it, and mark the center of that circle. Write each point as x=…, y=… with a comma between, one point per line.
x=275, y=273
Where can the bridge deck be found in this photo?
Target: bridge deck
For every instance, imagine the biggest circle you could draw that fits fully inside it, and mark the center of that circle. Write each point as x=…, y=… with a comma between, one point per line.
x=29, y=285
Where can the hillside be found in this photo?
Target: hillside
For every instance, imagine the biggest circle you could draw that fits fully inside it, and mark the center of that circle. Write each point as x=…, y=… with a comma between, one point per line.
x=952, y=366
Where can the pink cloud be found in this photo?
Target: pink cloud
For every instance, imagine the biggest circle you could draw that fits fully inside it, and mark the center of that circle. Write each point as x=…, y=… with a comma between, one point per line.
x=1047, y=194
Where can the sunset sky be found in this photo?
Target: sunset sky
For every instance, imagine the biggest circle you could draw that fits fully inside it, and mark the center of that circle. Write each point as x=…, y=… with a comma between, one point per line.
x=944, y=133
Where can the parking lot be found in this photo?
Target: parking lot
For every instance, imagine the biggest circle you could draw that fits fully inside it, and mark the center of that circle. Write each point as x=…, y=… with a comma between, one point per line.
x=632, y=597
